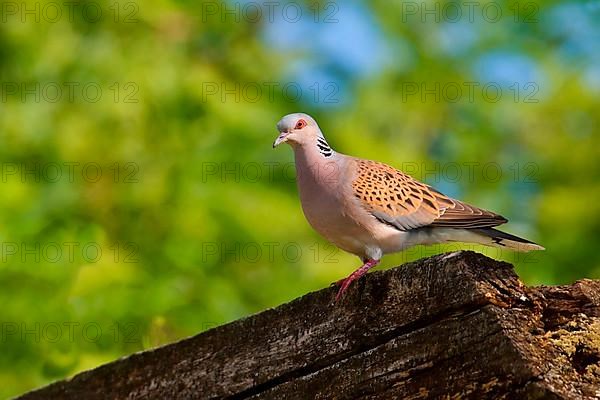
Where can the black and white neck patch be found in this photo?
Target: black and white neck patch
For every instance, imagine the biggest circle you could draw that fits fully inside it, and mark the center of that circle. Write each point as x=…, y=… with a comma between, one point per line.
x=324, y=147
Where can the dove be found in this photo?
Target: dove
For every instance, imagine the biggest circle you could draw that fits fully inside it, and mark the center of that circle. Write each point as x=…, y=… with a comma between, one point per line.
x=369, y=209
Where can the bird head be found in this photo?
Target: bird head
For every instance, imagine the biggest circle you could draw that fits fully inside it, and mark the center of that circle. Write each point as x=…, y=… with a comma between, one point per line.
x=297, y=129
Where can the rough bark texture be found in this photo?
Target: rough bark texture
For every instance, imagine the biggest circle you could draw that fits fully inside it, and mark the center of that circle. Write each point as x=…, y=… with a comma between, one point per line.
x=458, y=325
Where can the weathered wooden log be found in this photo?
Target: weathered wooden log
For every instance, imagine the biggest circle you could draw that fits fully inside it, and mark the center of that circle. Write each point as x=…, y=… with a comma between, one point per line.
x=458, y=325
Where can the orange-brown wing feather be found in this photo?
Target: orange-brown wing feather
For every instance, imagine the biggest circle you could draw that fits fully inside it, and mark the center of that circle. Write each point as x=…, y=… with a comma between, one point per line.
x=399, y=200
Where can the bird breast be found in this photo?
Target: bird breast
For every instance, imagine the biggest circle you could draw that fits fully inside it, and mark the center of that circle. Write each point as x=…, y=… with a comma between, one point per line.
x=319, y=188
x=324, y=192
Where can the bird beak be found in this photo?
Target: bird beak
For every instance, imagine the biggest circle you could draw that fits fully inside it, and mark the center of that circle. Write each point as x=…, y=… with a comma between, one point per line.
x=280, y=139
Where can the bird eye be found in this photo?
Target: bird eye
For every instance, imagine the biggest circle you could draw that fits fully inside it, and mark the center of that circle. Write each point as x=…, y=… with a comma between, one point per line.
x=300, y=124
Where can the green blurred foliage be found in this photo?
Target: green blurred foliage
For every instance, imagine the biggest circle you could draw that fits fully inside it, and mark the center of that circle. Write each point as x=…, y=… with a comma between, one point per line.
x=190, y=237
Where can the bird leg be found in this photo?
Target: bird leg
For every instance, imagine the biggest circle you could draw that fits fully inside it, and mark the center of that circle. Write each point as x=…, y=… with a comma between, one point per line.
x=344, y=283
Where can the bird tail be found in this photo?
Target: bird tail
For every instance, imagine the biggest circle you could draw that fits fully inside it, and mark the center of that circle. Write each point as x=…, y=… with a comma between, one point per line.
x=494, y=237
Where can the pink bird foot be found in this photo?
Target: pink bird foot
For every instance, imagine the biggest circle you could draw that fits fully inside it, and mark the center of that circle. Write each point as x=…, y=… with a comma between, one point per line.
x=345, y=283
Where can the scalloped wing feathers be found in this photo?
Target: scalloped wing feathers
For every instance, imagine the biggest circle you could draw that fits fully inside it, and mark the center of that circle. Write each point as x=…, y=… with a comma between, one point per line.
x=397, y=199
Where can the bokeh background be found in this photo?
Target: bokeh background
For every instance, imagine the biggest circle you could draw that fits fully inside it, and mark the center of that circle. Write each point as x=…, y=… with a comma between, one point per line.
x=141, y=201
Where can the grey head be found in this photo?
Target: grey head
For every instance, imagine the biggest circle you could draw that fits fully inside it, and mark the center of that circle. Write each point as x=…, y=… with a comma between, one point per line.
x=298, y=129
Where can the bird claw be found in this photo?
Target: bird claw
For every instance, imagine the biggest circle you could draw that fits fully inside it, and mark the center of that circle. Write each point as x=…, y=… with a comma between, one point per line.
x=345, y=283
